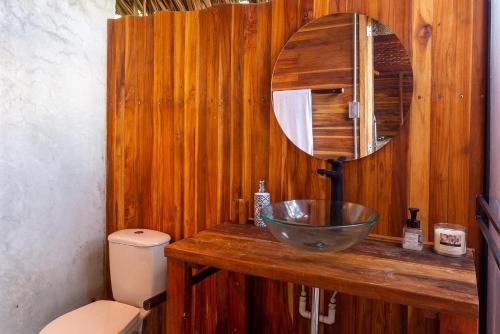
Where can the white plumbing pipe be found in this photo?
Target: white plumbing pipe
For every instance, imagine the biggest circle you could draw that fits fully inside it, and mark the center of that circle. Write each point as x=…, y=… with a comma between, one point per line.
x=315, y=311
x=328, y=319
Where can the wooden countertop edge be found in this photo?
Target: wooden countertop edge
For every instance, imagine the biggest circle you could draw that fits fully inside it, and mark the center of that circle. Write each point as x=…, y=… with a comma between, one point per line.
x=374, y=291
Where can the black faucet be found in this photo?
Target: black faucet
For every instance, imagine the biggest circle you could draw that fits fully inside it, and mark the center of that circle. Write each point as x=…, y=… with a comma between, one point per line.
x=337, y=188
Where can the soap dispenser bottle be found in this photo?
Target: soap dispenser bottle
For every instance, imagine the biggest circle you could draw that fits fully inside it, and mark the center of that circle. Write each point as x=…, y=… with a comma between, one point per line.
x=261, y=199
x=413, y=237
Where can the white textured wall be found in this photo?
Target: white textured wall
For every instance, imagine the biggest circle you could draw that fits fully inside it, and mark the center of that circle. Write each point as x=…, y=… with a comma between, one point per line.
x=493, y=272
x=52, y=158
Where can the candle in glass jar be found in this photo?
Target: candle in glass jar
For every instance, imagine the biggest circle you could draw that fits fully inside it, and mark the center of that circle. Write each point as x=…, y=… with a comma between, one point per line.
x=450, y=239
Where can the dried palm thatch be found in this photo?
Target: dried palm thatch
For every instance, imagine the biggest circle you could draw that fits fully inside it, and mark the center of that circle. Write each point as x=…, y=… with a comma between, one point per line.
x=148, y=7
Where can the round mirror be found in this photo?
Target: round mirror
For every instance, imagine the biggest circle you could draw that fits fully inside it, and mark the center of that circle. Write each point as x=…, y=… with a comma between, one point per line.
x=342, y=86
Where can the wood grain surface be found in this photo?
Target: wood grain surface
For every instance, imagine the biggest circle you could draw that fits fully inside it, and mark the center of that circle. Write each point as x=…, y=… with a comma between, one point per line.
x=375, y=269
x=191, y=129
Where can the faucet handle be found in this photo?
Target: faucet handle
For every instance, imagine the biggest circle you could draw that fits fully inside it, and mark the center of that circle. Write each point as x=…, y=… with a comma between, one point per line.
x=327, y=172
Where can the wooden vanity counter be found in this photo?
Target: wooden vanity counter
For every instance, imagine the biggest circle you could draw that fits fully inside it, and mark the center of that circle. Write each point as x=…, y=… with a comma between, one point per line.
x=377, y=268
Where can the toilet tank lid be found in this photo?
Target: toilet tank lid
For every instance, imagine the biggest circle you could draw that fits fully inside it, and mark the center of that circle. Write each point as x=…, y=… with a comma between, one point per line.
x=139, y=237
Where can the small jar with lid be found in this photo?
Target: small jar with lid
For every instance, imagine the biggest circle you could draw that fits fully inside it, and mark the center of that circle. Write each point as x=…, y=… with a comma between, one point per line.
x=450, y=239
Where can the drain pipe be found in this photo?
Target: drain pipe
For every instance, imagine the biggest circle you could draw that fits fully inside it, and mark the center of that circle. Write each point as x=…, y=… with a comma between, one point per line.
x=328, y=319
x=315, y=311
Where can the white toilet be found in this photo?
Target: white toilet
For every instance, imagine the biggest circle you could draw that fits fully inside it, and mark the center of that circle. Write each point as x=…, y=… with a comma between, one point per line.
x=138, y=272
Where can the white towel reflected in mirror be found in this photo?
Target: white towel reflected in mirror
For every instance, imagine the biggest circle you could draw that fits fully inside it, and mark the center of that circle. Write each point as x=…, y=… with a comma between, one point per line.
x=293, y=109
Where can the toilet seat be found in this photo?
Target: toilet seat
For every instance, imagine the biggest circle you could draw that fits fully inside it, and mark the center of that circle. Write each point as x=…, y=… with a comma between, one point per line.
x=100, y=317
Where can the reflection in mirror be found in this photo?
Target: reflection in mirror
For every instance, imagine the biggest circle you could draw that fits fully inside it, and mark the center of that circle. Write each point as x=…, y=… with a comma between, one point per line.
x=342, y=86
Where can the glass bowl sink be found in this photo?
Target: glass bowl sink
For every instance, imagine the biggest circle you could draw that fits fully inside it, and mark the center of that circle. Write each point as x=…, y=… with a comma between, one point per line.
x=319, y=225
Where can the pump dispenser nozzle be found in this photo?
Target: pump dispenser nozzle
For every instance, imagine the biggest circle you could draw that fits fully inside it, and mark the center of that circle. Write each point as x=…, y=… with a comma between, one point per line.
x=262, y=186
x=413, y=222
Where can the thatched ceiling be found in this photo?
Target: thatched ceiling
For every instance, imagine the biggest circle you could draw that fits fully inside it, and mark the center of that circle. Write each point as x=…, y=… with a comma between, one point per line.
x=148, y=7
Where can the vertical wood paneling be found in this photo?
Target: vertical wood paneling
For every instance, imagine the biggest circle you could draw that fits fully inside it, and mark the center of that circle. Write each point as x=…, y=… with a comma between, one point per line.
x=191, y=129
x=459, y=149
x=419, y=136
x=191, y=114
x=114, y=167
x=177, y=118
x=129, y=131
x=162, y=138
x=477, y=93
x=144, y=121
x=284, y=23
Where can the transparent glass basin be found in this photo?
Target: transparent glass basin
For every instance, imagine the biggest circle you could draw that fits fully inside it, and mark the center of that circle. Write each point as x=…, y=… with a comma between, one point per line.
x=319, y=225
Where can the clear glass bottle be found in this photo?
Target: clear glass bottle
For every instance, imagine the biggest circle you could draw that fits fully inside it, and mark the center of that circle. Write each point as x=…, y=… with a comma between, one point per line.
x=413, y=237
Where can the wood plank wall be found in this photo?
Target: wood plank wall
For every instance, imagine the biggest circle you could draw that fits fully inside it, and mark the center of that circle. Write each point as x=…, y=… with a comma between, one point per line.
x=190, y=129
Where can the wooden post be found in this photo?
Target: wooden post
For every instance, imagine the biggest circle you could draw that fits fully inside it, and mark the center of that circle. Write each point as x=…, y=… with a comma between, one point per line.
x=179, y=291
x=240, y=211
x=453, y=324
x=237, y=292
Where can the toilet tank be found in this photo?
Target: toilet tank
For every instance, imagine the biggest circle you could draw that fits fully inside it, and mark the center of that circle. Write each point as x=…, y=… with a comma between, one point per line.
x=137, y=265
